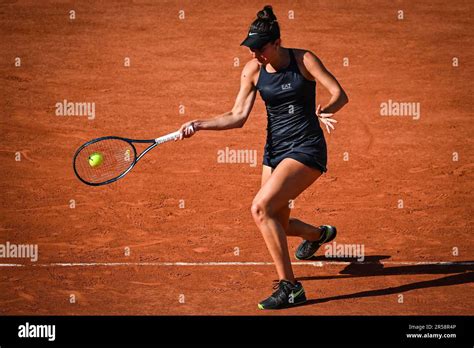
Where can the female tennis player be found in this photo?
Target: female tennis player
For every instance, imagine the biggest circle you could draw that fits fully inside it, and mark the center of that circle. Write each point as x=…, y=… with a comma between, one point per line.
x=295, y=153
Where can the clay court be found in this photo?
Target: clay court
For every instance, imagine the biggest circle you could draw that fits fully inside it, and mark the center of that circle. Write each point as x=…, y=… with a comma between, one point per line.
x=399, y=186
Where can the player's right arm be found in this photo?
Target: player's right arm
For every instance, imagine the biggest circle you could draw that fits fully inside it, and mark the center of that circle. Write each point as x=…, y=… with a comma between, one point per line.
x=239, y=114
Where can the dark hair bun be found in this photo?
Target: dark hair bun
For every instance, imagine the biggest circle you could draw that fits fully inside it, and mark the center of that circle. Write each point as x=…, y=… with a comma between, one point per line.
x=267, y=14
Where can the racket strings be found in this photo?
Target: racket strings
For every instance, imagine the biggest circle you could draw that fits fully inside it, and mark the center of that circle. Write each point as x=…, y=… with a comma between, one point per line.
x=104, y=160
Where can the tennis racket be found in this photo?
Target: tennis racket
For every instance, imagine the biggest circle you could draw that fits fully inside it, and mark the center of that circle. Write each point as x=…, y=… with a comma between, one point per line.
x=104, y=160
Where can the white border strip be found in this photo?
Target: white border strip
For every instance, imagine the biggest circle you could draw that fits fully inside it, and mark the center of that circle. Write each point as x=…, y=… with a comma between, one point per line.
x=194, y=264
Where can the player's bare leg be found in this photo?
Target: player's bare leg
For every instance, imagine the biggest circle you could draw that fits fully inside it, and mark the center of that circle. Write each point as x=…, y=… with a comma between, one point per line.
x=292, y=226
x=287, y=181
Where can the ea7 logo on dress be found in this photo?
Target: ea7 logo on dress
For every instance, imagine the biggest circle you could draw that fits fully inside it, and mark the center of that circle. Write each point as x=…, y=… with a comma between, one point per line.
x=286, y=86
x=37, y=331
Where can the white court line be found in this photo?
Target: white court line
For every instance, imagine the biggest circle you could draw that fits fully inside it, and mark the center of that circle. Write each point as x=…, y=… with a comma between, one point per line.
x=192, y=264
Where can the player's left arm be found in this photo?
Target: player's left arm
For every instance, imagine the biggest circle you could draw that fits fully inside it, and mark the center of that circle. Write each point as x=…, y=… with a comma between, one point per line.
x=316, y=68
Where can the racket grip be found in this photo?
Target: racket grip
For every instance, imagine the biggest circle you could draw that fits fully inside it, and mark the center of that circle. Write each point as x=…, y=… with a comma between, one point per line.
x=171, y=136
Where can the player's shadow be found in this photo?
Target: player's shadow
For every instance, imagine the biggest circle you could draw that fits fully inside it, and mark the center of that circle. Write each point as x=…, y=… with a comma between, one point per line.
x=463, y=272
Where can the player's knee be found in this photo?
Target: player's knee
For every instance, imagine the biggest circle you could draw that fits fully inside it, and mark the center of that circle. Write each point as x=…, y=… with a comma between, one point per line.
x=260, y=210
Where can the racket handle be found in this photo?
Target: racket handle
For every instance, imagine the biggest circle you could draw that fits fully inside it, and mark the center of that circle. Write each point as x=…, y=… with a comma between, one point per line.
x=170, y=137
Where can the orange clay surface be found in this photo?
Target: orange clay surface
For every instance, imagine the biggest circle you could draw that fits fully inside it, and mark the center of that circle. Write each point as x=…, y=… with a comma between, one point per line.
x=190, y=62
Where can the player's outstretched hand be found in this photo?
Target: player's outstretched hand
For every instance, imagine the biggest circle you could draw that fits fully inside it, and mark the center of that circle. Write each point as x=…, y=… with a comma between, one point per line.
x=187, y=130
x=326, y=119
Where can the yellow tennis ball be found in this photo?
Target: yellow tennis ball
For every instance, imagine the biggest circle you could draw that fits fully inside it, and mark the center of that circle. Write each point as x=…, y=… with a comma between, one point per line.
x=96, y=159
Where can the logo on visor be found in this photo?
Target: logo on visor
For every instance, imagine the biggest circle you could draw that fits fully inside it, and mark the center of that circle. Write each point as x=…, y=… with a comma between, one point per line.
x=250, y=34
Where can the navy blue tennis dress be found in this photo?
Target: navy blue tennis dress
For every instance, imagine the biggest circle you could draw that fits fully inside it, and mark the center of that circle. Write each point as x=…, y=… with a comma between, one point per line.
x=293, y=129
